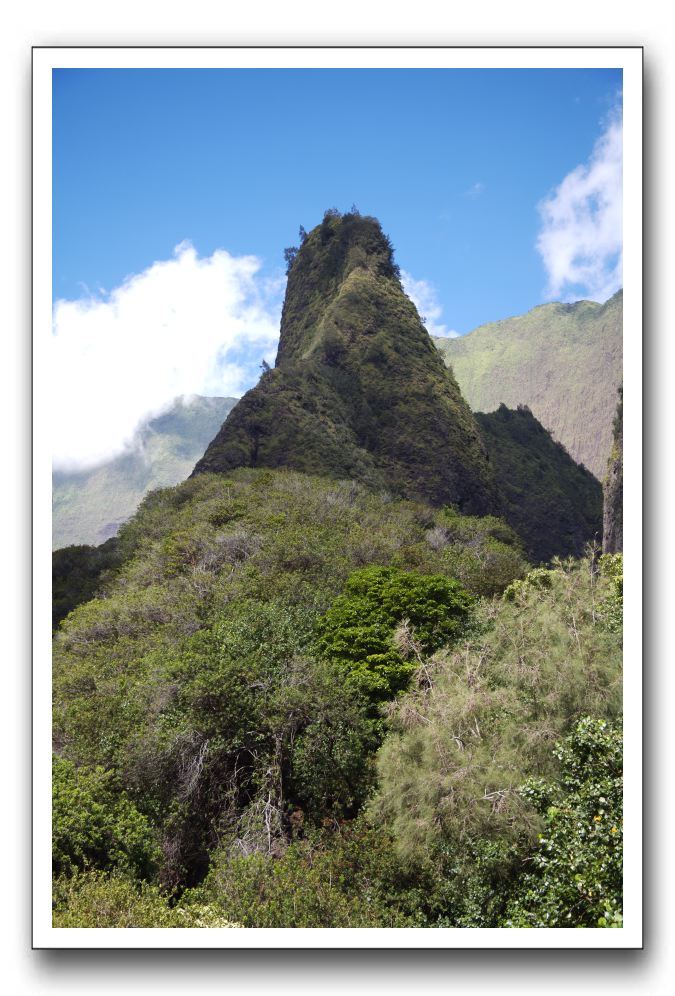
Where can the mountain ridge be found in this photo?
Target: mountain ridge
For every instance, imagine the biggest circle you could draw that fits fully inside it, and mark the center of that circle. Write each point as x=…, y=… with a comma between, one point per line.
x=89, y=506
x=564, y=361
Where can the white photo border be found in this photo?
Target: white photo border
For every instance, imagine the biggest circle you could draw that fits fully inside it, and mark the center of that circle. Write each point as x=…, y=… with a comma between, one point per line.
x=630, y=60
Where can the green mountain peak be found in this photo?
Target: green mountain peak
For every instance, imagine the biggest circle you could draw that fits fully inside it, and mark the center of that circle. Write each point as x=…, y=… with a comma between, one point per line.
x=358, y=390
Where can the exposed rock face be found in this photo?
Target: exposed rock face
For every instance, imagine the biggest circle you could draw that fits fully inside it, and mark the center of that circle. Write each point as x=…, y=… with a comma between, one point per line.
x=564, y=361
x=612, y=531
x=358, y=390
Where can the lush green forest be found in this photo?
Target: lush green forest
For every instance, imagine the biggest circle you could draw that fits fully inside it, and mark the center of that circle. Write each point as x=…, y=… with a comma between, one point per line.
x=292, y=693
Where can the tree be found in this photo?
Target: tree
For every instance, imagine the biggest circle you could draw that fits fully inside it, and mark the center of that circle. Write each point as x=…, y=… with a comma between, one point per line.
x=290, y=252
x=576, y=873
x=385, y=619
x=95, y=825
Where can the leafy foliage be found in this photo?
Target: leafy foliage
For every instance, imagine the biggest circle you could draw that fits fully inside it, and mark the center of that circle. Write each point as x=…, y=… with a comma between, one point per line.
x=96, y=825
x=347, y=877
x=386, y=618
x=93, y=899
x=213, y=686
x=485, y=721
x=576, y=872
x=197, y=680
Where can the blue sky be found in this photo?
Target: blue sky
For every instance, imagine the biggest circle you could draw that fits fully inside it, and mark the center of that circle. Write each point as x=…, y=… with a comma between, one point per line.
x=454, y=163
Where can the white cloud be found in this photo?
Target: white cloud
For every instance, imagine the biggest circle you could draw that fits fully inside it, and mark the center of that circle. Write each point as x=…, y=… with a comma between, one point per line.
x=475, y=190
x=183, y=326
x=425, y=298
x=581, y=237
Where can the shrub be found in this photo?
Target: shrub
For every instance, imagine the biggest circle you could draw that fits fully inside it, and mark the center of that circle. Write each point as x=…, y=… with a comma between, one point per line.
x=459, y=748
x=576, y=872
x=347, y=877
x=93, y=824
x=359, y=629
x=93, y=899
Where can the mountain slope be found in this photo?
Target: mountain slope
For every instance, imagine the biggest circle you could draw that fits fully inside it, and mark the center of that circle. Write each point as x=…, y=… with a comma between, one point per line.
x=358, y=390
x=89, y=506
x=553, y=504
x=564, y=361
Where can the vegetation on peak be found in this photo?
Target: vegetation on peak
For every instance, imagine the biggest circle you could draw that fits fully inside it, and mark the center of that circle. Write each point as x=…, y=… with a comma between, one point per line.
x=358, y=390
x=319, y=267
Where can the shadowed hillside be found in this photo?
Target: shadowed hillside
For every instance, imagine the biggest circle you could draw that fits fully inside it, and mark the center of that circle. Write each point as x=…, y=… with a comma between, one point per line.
x=553, y=504
x=564, y=361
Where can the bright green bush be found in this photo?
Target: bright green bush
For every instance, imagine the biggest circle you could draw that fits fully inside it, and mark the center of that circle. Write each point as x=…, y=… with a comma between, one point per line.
x=575, y=877
x=385, y=620
x=94, y=824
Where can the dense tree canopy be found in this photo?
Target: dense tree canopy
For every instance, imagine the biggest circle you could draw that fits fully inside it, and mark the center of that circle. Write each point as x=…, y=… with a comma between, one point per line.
x=296, y=702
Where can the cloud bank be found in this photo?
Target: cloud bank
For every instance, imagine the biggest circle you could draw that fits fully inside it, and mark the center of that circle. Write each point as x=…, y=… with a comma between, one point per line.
x=581, y=236
x=187, y=325
x=425, y=298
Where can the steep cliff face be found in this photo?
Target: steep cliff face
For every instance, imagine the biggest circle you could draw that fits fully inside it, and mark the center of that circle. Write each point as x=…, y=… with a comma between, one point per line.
x=553, y=504
x=359, y=390
x=612, y=525
x=564, y=361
